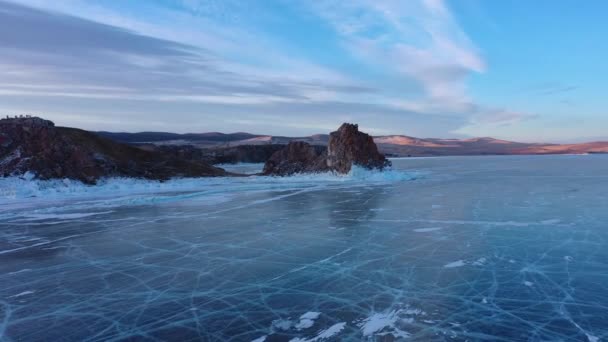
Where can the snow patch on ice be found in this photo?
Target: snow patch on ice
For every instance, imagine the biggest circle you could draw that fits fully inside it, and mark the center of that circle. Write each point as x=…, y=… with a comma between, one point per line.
x=282, y=324
x=310, y=315
x=458, y=263
x=260, y=339
x=331, y=331
x=307, y=320
x=323, y=334
x=592, y=338
x=305, y=324
x=377, y=322
x=528, y=283
x=480, y=262
x=389, y=323
x=427, y=230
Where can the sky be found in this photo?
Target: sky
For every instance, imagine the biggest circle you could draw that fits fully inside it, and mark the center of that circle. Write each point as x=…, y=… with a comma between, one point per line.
x=517, y=70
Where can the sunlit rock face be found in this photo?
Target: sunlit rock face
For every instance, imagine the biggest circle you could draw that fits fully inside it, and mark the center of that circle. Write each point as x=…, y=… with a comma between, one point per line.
x=347, y=147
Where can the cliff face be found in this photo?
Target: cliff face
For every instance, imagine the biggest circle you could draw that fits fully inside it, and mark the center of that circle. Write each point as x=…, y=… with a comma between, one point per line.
x=36, y=145
x=347, y=147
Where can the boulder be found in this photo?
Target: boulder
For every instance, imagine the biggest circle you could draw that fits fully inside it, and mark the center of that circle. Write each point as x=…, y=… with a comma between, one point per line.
x=347, y=147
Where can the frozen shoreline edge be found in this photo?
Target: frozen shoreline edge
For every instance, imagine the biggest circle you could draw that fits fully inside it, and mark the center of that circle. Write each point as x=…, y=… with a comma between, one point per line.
x=24, y=187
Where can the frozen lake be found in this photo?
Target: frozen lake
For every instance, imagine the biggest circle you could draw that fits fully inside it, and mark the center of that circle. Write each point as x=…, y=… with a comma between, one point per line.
x=454, y=248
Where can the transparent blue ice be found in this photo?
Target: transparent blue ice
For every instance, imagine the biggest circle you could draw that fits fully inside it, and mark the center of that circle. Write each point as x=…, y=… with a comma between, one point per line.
x=455, y=248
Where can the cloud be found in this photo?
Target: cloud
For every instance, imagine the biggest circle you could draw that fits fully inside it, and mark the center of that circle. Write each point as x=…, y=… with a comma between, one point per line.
x=417, y=39
x=210, y=61
x=38, y=31
x=75, y=54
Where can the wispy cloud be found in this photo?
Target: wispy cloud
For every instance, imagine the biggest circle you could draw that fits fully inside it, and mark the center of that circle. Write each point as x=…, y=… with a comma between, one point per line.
x=60, y=49
x=210, y=58
x=417, y=39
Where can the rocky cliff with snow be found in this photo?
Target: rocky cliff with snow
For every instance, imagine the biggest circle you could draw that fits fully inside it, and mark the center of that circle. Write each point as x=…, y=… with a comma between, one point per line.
x=33, y=145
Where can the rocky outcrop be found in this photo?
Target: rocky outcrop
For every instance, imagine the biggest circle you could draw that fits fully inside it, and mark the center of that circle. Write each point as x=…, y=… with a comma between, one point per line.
x=296, y=157
x=30, y=144
x=347, y=147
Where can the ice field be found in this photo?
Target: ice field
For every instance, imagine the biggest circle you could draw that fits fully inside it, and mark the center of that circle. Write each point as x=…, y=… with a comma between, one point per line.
x=503, y=248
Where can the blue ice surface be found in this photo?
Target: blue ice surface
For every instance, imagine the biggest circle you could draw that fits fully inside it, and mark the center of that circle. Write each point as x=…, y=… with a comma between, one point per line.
x=455, y=248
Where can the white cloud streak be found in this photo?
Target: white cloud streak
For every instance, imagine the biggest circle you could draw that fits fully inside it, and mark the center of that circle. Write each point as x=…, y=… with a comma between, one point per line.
x=416, y=39
x=204, y=53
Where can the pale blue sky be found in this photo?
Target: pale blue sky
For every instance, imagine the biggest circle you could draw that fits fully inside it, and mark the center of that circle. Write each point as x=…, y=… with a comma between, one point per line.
x=519, y=70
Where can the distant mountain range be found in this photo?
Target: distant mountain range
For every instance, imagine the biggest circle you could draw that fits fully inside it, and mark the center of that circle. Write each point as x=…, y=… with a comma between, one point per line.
x=392, y=145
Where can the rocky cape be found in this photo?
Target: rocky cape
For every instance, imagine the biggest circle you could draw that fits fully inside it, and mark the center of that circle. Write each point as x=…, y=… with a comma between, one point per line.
x=346, y=148
x=31, y=144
